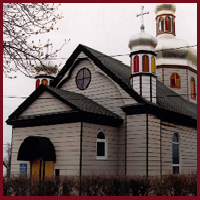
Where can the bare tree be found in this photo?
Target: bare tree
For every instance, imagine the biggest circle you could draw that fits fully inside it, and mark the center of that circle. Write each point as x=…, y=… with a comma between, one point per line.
x=21, y=21
x=7, y=158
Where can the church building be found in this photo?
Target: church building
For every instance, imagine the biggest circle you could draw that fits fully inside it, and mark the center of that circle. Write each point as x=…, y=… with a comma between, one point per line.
x=98, y=116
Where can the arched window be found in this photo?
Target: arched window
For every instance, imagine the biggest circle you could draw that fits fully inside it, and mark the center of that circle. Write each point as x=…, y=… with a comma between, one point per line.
x=37, y=83
x=145, y=63
x=44, y=82
x=175, y=154
x=153, y=65
x=193, y=89
x=175, y=81
x=136, y=64
x=161, y=24
x=173, y=24
x=101, y=146
x=168, y=24
x=50, y=82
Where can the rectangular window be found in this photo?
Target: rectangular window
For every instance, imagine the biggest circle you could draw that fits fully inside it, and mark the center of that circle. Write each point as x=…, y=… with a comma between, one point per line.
x=175, y=169
x=175, y=154
x=100, y=148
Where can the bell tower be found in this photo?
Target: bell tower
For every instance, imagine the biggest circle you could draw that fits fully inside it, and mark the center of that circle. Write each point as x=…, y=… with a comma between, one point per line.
x=143, y=63
x=47, y=71
x=165, y=18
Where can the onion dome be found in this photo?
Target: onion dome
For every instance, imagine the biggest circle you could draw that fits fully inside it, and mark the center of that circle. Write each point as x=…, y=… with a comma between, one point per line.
x=142, y=41
x=165, y=8
x=173, y=51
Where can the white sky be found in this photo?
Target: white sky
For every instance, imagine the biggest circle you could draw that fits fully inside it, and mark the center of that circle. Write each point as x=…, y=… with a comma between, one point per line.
x=104, y=27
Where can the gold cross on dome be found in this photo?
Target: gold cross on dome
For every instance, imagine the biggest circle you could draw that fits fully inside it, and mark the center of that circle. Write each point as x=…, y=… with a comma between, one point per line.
x=142, y=17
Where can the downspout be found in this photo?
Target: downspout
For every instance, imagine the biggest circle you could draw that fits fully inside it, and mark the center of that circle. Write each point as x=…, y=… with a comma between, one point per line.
x=80, y=166
x=125, y=145
x=9, y=170
x=150, y=88
x=147, y=145
x=160, y=148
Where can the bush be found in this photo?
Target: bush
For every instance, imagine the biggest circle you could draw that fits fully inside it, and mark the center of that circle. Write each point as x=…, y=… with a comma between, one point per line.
x=5, y=187
x=192, y=185
x=17, y=186
x=139, y=186
x=115, y=186
x=172, y=185
x=70, y=186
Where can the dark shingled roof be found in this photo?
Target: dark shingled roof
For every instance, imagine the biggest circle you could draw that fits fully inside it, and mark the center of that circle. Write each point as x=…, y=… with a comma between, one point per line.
x=167, y=98
x=121, y=70
x=170, y=100
x=82, y=103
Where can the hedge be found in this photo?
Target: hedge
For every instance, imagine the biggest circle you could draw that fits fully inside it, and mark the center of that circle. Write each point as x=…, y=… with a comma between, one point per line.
x=172, y=185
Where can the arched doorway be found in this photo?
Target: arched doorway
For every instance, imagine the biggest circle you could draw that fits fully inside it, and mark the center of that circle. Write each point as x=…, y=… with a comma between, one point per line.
x=41, y=153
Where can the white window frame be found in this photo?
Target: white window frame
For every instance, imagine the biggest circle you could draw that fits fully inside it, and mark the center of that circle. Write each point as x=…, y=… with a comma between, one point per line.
x=106, y=146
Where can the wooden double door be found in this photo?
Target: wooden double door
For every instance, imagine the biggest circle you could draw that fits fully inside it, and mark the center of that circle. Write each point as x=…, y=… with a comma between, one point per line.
x=41, y=169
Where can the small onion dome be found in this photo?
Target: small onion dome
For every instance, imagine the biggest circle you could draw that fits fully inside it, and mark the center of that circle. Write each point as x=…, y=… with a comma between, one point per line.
x=142, y=41
x=49, y=68
x=173, y=51
x=165, y=8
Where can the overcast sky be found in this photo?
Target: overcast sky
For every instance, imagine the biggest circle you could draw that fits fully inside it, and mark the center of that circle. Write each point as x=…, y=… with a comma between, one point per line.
x=104, y=27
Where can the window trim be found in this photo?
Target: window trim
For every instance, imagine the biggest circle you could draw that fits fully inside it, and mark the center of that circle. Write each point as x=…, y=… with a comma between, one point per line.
x=136, y=65
x=193, y=84
x=84, y=68
x=175, y=86
x=161, y=25
x=106, y=146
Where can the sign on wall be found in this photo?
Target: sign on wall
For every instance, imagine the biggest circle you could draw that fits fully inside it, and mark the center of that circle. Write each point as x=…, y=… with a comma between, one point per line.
x=22, y=169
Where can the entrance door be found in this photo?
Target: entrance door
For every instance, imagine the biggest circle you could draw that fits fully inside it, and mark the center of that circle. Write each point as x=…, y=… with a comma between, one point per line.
x=48, y=168
x=41, y=169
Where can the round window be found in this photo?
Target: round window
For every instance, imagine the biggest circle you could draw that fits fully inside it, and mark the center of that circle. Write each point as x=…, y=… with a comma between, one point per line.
x=83, y=78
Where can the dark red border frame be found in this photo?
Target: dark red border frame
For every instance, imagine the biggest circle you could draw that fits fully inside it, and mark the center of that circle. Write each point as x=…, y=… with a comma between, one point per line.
x=198, y=108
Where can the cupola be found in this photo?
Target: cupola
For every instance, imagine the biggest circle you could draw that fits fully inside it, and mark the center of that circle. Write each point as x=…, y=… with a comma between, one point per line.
x=143, y=63
x=46, y=71
x=165, y=18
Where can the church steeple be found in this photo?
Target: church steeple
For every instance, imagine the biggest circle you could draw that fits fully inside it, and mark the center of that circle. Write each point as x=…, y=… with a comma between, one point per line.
x=46, y=73
x=143, y=63
x=165, y=18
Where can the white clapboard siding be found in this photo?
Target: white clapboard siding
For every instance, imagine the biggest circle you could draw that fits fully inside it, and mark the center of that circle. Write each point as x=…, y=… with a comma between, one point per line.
x=92, y=166
x=154, y=151
x=101, y=88
x=187, y=147
x=183, y=76
x=67, y=146
x=121, y=149
x=159, y=74
x=136, y=145
x=46, y=103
